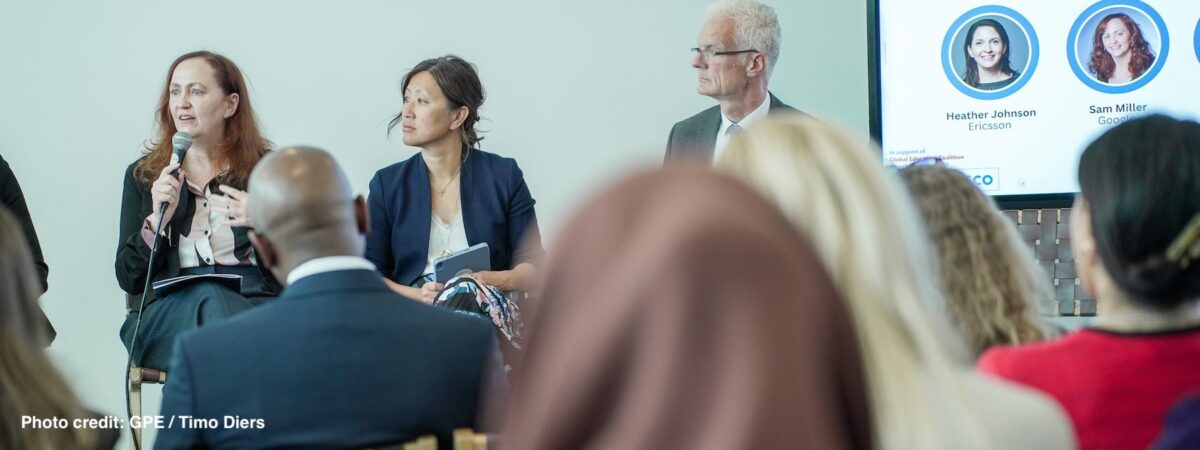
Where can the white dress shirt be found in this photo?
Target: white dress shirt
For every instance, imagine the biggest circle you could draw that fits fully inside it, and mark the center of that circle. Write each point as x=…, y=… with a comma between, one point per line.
x=723, y=137
x=328, y=264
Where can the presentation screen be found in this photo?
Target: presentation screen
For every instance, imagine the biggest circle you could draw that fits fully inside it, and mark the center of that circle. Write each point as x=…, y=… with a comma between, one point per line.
x=1011, y=92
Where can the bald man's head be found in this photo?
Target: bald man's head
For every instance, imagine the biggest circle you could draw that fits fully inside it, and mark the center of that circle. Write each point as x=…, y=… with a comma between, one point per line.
x=303, y=208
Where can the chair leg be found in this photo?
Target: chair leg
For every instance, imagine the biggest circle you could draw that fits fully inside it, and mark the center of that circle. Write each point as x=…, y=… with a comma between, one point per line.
x=135, y=403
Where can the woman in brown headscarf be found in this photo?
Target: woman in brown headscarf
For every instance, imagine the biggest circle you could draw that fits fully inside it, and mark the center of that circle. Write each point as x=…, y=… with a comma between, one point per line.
x=697, y=324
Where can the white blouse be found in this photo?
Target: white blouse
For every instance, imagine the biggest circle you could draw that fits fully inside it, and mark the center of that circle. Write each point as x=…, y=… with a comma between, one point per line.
x=445, y=238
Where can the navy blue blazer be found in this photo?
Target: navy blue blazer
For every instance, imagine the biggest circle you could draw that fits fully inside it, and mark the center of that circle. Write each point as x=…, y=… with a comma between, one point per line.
x=338, y=361
x=496, y=208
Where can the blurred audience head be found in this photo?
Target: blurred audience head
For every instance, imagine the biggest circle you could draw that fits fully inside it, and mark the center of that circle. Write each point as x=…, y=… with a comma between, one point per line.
x=835, y=189
x=988, y=276
x=29, y=382
x=1136, y=228
x=699, y=324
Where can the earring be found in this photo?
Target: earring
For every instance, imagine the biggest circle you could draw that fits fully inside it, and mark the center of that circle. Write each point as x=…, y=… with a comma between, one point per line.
x=228, y=115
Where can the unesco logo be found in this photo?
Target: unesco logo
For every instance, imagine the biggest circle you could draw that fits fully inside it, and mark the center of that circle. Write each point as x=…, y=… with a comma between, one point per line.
x=987, y=179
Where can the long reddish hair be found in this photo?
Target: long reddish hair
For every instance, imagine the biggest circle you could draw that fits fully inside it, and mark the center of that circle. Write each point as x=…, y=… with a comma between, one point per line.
x=1140, y=59
x=244, y=143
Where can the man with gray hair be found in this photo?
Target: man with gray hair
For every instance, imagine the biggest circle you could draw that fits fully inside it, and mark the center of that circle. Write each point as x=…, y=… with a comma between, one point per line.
x=736, y=51
x=339, y=360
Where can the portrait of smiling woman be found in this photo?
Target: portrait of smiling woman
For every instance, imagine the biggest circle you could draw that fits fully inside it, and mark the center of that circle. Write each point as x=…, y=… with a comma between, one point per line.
x=987, y=50
x=1120, y=52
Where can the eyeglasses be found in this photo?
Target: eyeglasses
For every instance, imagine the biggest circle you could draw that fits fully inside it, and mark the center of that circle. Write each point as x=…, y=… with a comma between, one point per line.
x=707, y=54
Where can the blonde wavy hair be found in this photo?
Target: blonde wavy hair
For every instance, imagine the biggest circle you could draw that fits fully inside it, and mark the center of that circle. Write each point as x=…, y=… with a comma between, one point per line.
x=988, y=276
x=865, y=229
x=30, y=385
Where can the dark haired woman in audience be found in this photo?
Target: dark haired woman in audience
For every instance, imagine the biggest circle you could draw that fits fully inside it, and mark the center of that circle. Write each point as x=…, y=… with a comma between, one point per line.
x=450, y=196
x=1120, y=53
x=30, y=385
x=204, y=95
x=1135, y=234
x=987, y=51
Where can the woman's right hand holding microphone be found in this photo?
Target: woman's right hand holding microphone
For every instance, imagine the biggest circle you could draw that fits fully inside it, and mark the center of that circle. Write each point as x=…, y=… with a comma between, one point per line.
x=165, y=190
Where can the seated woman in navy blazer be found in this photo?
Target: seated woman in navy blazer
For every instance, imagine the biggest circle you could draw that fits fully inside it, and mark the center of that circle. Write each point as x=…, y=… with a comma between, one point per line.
x=449, y=197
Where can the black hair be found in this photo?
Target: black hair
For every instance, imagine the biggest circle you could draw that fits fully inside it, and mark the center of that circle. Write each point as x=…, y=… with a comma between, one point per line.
x=459, y=83
x=1141, y=180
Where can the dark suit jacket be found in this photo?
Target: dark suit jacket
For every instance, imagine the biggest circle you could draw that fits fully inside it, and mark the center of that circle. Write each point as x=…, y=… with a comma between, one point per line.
x=695, y=138
x=496, y=208
x=338, y=361
x=12, y=198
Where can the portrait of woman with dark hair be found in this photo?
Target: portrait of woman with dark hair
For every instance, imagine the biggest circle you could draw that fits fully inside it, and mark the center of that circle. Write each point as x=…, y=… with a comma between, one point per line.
x=450, y=196
x=1120, y=52
x=987, y=51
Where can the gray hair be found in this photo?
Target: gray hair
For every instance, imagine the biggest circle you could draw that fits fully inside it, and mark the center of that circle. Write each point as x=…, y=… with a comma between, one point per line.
x=755, y=26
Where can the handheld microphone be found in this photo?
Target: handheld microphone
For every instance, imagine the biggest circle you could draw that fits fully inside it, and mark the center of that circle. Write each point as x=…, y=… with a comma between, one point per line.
x=180, y=143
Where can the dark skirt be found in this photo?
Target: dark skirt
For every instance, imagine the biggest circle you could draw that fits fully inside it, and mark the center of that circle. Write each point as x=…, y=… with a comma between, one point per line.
x=191, y=306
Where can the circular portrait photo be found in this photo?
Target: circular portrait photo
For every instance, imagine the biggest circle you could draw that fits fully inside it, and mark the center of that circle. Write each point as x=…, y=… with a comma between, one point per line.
x=1197, y=39
x=1117, y=46
x=989, y=52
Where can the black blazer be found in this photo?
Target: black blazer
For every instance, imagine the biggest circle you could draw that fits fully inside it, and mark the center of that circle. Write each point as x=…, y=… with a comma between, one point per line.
x=337, y=361
x=695, y=138
x=133, y=253
x=12, y=198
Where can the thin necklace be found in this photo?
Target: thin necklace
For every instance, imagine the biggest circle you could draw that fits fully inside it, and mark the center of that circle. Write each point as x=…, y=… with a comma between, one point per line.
x=447, y=232
x=442, y=191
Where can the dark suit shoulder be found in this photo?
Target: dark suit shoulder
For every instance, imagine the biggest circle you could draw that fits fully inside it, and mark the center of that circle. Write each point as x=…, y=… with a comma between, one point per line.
x=489, y=158
x=131, y=171
x=694, y=136
x=381, y=306
x=699, y=119
x=132, y=167
x=492, y=162
x=778, y=106
x=395, y=169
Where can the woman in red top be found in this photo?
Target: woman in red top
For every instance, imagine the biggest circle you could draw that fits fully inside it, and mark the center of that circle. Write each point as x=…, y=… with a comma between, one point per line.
x=1135, y=234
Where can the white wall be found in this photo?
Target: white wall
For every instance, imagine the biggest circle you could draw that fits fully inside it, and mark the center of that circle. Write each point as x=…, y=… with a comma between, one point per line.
x=578, y=93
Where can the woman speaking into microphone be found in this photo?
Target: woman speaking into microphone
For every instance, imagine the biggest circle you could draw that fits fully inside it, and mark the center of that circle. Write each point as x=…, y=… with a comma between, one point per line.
x=200, y=204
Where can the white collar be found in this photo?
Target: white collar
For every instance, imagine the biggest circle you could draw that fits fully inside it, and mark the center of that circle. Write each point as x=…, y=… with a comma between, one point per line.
x=328, y=264
x=754, y=116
